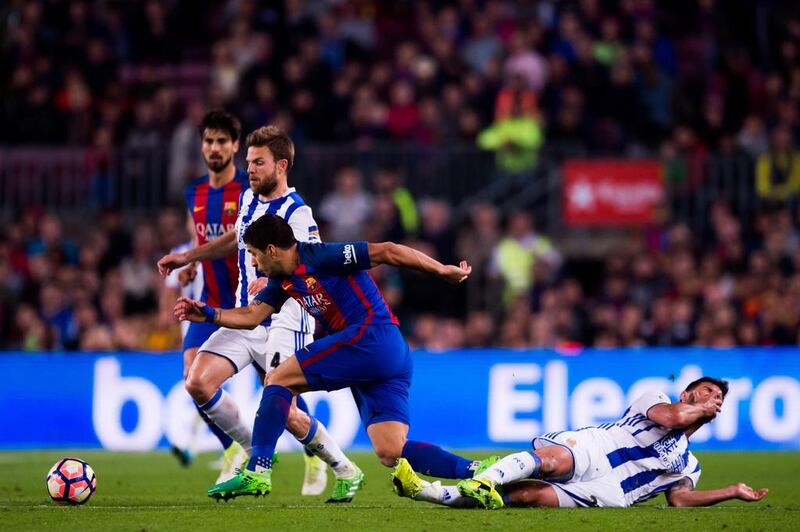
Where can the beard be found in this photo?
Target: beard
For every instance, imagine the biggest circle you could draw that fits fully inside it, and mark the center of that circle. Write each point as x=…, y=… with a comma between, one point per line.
x=218, y=165
x=267, y=185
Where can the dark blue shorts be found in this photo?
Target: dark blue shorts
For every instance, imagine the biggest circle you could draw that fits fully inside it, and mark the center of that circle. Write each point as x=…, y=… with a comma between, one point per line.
x=198, y=333
x=373, y=361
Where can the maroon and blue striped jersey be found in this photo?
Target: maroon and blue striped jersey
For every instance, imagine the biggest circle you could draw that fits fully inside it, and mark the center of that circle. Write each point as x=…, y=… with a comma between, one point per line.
x=331, y=285
x=214, y=212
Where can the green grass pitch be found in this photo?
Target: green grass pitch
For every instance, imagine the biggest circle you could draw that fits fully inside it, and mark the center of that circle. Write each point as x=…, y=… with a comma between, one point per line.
x=149, y=491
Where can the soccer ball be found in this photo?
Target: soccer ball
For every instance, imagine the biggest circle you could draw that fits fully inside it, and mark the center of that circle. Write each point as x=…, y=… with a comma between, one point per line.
x=71, y=481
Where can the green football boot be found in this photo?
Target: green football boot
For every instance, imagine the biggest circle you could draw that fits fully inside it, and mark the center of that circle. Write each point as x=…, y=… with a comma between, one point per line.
x=345, y=488
x=485, y=464
x=405, y=481
x=482, y=490
x=244, y=483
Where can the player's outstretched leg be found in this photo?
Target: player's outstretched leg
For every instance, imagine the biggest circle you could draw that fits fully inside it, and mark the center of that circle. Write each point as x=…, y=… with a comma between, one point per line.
x=406, y=483
x=432, y=460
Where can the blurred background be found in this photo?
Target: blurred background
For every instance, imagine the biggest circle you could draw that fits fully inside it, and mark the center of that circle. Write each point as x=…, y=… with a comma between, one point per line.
x=619, y=174
x=451, y=126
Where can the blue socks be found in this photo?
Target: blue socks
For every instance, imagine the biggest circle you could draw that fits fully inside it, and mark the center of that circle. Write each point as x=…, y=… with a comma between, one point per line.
x=302, y=405
x=434, y=461
x=269, y=425
x=221, y=435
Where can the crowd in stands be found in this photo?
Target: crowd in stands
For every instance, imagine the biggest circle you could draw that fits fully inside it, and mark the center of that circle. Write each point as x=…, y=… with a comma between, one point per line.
x=673, y=79
x=612, y=77
x=666, y=287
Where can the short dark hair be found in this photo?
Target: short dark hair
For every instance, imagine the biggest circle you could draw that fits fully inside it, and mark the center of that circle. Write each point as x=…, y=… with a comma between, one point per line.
x=722, y=384
x=274, y=138
x=221, y=121
x=269, y=229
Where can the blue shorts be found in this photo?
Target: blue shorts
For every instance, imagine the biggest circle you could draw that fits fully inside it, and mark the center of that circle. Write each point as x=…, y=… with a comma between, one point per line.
x=198, y=333
x=373, y=361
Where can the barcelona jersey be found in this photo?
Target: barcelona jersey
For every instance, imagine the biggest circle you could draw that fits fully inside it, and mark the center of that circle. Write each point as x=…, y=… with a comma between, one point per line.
x=214, y=212
x=331, y=285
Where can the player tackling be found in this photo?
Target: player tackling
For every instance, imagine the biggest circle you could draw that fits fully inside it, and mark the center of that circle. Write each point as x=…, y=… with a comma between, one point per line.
x=615, y=464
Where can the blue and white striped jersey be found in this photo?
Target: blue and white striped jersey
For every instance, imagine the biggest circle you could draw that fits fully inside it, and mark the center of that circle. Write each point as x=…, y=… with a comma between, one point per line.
x=648, y=458
x=290, y=207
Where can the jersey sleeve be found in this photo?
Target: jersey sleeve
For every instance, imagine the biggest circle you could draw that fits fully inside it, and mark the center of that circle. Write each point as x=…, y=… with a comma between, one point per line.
x=648, y=400
x=303, y=225
x=272, y=294
x=337, y=257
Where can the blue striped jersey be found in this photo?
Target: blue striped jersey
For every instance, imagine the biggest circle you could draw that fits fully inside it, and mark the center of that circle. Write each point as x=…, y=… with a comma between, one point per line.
x=648, y=458
x=291, y=207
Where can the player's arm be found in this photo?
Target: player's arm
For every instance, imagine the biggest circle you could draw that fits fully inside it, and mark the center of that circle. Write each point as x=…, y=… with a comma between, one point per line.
x=216, y=249
x=234, y=318
x=406, y=257
x=683, y=415
x=683, y=494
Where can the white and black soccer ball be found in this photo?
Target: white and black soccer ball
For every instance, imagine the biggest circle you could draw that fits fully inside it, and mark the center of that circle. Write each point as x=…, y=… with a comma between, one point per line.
x=71, y=481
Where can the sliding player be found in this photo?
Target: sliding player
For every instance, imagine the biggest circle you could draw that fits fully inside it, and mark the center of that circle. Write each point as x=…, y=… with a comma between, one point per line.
x=612, y=465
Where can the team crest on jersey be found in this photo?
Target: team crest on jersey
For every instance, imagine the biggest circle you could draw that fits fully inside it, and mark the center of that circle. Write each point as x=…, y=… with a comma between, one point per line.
x=311, y=284
x=229, y=208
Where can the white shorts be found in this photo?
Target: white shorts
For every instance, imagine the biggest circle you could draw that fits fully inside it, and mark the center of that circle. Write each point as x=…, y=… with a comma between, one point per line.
x=603, y=492
x=588, y=448
x=283, y=343
x=259, y=346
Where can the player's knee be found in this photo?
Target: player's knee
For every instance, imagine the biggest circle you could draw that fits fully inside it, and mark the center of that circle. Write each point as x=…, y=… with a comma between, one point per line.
x=389, y=453
x=200, y=391
x=555, y=461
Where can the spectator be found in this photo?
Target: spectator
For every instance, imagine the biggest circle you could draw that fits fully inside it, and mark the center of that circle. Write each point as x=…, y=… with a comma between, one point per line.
x=347, y=209
x=778, y=170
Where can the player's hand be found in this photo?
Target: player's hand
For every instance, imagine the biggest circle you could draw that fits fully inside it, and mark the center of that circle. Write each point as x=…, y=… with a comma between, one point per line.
x=712, y=407
x=256, y=285
x=170, y=262
x=746, y=493
x=187, y=275
x=189, y=309
x=456, y=274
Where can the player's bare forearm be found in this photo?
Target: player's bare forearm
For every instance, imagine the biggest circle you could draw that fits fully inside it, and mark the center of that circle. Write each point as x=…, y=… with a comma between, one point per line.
x=406, y=257
x=683, y=415
x=684, y=496
x=216, y=249
x=244, y=317
x=247, y=317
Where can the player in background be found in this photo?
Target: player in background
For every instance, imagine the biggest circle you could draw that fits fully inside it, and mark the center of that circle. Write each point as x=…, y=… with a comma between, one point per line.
x=617, y=464
x=270, y=155
x=183, y=282
x=364, y=350
x=213, y=203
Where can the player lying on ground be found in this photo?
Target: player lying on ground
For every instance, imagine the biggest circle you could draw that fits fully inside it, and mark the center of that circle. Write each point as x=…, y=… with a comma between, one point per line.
x=364, y=349
x=611, y=465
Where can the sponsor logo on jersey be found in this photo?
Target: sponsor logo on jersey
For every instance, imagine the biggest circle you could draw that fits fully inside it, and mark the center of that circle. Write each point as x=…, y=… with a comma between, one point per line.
x=198, y=208
x=669, y=454
x=311, y=284
x=229, y=208
x=212, y=231
x=315, y=304
x=349, y=253
x=286, y=285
